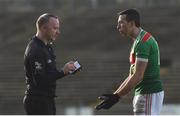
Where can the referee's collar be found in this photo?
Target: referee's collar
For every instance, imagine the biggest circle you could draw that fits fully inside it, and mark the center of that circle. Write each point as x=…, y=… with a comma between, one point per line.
x=35, y=38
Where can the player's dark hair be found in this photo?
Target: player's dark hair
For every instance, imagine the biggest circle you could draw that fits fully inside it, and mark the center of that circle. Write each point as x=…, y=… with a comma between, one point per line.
x=44, y=18
x=131, y=15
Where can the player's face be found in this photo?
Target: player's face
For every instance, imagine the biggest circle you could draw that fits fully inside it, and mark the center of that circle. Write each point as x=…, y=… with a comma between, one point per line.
x=123, y=26
x=52, y=30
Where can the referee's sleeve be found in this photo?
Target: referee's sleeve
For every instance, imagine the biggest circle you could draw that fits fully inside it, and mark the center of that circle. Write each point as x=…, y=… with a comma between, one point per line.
x=41, y=73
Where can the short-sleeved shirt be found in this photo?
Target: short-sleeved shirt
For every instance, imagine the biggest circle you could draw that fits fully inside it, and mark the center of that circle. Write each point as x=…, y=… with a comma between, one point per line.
x=145, y=48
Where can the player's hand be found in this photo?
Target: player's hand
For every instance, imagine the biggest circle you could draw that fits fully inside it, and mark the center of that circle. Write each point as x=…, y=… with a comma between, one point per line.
x=108, y=100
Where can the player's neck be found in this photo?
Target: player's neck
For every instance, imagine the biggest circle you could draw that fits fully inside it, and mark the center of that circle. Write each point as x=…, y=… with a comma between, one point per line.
x=136, y=33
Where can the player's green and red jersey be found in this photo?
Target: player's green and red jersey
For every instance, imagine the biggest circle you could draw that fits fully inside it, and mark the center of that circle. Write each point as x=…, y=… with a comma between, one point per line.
x=145, y=48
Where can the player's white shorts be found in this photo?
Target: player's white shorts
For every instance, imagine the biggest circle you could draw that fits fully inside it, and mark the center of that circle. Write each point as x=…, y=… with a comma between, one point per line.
x=148, y=104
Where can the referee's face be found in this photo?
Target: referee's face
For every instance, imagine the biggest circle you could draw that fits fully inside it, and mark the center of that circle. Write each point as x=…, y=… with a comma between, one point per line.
x=52, y=30
x=123, y=26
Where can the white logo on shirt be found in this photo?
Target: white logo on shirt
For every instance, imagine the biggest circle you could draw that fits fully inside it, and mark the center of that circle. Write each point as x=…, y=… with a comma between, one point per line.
x=49, y=61
x=38, y=65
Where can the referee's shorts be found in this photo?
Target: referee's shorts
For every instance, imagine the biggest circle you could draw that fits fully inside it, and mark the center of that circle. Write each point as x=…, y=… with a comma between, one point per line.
x=39, y=105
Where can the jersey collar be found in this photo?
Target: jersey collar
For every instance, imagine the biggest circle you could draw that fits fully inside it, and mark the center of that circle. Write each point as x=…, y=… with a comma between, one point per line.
x=40, y=42
x=139, y=35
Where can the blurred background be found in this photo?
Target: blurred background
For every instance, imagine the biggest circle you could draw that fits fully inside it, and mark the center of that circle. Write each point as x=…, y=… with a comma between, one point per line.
x=88, y=33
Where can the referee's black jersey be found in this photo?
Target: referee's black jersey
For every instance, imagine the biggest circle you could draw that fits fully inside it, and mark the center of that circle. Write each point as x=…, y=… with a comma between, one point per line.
x=40, y=69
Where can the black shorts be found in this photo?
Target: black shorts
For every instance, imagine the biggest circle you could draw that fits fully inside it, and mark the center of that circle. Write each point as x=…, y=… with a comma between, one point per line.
x=39, y=105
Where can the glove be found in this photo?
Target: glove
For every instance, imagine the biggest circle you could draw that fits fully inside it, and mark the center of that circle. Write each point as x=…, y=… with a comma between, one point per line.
x=108, y=100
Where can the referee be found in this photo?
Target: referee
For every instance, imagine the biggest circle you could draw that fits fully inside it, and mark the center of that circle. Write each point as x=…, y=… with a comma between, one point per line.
x=40, y=68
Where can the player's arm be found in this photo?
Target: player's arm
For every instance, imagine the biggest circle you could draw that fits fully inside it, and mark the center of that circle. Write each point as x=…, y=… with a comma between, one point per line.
x=143, y=51
x=108, y=100
x=123, y=83
x=132, y=80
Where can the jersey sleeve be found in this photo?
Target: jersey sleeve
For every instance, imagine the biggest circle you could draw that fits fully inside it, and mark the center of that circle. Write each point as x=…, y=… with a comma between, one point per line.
x=143, y=50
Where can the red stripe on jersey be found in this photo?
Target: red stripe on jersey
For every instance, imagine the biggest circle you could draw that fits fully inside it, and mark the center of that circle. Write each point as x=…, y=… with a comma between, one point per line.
x=132, y=58
x=150, y=103
x=146, y=109
x=146, y=37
